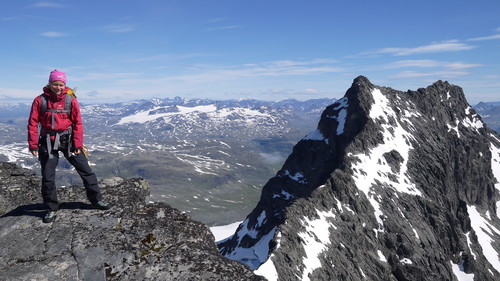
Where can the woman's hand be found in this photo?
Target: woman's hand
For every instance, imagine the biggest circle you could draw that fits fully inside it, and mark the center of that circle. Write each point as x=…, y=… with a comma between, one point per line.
x=77, y=151
x=34, y=152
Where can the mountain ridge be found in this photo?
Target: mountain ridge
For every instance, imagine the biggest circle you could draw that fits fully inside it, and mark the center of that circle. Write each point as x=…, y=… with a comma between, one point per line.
x=406, y=183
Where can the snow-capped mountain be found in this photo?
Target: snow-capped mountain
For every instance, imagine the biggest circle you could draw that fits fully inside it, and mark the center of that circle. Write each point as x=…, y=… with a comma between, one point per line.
x=391, y=186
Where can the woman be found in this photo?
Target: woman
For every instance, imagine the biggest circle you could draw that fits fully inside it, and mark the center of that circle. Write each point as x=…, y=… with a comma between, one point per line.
x=57, y=113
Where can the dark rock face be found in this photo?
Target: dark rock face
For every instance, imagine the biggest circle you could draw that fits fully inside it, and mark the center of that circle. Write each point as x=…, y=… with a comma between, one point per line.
x=132, y=241
x=391, y=186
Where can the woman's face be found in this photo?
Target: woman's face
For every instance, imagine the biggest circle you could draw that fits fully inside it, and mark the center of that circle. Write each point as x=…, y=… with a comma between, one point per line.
x=57, y=87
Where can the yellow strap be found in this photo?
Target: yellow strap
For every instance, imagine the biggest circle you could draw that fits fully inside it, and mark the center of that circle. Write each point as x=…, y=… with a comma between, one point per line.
x=85, y=151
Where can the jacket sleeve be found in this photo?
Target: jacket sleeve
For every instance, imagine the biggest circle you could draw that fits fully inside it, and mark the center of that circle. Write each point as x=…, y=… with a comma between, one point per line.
x=33, y=121
x=76, y=118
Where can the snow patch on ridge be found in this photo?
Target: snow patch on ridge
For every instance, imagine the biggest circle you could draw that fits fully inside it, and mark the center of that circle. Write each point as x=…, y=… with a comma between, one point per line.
x=484, y=232
x=371, y=168
x=268, y=269
x=471, y=121
x=458, y=271
x=284, y=195
x=316, y=135
x=495, y=167
x=256, y=255
x=469, y=244
x=454, y=128
x=343, y=103
x=298, y=177
x=381, y=256
x=316, y=239
x=222, y=232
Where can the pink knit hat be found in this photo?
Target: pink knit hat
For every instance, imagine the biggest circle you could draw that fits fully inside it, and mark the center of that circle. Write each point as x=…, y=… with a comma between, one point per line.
x=57, y=75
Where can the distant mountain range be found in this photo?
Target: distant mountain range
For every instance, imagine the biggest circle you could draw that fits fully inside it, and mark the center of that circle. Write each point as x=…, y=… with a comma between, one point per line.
x=490, y=112
x=209, y=158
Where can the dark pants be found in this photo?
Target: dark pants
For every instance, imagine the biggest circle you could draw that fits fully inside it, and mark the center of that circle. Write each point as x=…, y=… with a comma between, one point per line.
x=49, y=192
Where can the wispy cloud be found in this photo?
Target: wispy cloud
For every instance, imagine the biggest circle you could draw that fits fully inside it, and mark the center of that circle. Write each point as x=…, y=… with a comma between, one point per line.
x=9, y=18
x=448, y=46
x=461, y=65
x=278, y=68
x=196, y=74
x=166, y=57
x=491, y=37
x=439, y=73
x=430, y=64
x=119, y=28
x=90, y=76
x=53, y=34
x=491, y=77
x=220, y=25
x=46, y=4
x=442, y=68
x=227, y=27
x=412, y=63
x=486, y=38
x=214, y=20
x=292, y=63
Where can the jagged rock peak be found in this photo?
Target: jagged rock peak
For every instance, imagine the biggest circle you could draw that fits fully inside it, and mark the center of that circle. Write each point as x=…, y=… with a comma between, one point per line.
x=132, y=241
x=361, y=81
x=391, y=185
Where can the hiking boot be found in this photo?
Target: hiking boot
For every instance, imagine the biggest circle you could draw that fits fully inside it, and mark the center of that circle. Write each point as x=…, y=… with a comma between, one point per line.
x=102, y=205
x=50, y=216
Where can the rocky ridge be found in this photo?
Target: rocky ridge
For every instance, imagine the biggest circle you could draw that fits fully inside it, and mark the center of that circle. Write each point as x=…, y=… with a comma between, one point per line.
x=132, y=241
x=391, y=186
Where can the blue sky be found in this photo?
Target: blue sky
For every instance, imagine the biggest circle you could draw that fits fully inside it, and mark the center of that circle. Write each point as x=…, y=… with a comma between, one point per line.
x=120, y=50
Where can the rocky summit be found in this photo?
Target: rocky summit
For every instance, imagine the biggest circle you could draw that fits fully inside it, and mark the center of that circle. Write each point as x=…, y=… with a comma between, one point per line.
x=391, y=185
x=132, y=241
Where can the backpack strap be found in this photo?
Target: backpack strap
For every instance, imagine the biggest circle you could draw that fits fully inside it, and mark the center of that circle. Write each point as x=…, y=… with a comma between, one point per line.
x=67, y=104
x=67, y=101
x=67, y=109
x=43, y=107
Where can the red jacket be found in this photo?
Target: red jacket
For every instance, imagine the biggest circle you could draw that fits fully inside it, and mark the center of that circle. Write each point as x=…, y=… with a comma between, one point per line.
x=61, y=120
